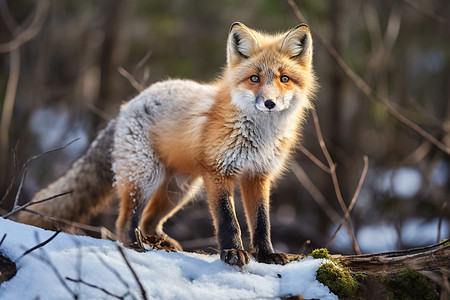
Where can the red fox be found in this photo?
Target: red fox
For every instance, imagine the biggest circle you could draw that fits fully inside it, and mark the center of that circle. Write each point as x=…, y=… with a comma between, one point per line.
x=240, y=128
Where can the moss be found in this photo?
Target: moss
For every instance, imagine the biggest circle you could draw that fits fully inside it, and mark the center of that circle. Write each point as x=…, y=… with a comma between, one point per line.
x=321, y=253
x=334, y=275
x=338, y=279
x=410, y=284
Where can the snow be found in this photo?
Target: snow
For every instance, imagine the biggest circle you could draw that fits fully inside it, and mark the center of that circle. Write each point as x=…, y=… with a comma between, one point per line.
x=164, y=275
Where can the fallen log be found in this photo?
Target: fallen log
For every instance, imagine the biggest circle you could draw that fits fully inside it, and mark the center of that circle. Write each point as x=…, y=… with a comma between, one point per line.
x=429, y=258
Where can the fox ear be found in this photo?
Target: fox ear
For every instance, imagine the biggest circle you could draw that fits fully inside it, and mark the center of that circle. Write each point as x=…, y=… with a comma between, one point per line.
x=242, y=43
x=298, y=44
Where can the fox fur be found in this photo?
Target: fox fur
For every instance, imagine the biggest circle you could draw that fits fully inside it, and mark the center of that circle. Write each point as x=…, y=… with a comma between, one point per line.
x=239, y=129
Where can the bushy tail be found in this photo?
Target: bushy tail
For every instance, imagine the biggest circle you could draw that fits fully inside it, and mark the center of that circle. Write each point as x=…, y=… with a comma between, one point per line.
x=89, y=180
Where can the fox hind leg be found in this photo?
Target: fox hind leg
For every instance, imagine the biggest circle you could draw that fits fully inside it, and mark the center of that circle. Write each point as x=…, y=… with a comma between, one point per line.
x=173, y=193
x=132, y=201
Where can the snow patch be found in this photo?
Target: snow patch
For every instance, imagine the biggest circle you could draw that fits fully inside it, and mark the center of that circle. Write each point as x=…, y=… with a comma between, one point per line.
x=164, y=275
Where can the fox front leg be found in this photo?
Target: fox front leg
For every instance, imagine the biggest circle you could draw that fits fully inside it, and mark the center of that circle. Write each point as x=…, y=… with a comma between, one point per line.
x=219, y=193
x=255, y=194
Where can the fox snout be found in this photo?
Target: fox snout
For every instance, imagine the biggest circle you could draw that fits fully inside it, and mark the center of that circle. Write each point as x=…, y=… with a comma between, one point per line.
x=269, y=104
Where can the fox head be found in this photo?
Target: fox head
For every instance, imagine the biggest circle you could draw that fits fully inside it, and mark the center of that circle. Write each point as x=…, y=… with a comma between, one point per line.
x=270, y=73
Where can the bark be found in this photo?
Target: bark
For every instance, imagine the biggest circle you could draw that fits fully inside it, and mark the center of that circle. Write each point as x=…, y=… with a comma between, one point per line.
x=7, y=268
x=431, y=258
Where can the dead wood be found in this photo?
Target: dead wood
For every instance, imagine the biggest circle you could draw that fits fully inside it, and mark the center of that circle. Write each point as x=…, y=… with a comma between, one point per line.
x=431, y=258
x=7, y=268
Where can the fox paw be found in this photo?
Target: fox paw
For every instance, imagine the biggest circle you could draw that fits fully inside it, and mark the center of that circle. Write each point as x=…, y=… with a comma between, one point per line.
x=158, y=242
x=235, y=257
x=162, y=243
x=272, y=258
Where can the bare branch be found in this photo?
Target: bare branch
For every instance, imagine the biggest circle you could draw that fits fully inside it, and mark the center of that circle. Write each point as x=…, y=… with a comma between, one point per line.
x=427, y=13
x=131, y=79
x=38, y=245
x=33, y=158
x=315, y=193
x=8, y=104
x=313, y=158
x=335, y=180
x=31, y=31
x=58, y=275
x=303, y=248
x=352, y=203
x=369, y=91
x=143, y=60
x=441, y=215
x=143, y=293
x=19, y=190
x=49, y=151
x=3, y=238
x=96, y=287
x=19, y=208
x=101, y=230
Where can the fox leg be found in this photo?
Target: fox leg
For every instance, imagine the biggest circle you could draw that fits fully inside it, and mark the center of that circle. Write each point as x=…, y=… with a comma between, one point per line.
x=133, y=198
x=219, y=191
x=255, y=195
x=173, y=193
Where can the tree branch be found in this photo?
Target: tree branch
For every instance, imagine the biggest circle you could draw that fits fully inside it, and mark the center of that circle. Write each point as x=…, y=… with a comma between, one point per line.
x=369, y=91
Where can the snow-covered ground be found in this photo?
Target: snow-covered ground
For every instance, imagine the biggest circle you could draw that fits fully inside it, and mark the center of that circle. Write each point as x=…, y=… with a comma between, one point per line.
x=78, y=265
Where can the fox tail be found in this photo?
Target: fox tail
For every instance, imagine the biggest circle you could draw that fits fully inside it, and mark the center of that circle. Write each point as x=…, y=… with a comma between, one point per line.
x=88, y=183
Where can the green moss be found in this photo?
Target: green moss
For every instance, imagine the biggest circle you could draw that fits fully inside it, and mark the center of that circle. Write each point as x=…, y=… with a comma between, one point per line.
x=334, y=275
x=410, y=284
x=321, y=253
x=338, y=279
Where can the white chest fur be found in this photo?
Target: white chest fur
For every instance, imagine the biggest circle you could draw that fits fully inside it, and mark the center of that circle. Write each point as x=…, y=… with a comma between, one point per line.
x=255, y=145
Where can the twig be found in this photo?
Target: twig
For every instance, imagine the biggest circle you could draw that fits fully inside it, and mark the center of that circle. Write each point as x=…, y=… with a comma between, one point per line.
x=102, y=230
x=19, y=208
x=58, y=275
x=114, y=271
x=143, y=60
x=313, y=158
x=98, y=111
x=38, y=245
x=35, y=157
x=3, y=238
x=315, y=193
x=8, y=104
x=131, y=79
x=95, y=287
x=369, y=91
x=143, y=293
x=31, y=31
x=441, y=215
x=19, y=190
x=335, y=181
x=352, y=203
x=427, y=13
x=303, y=248
x=49, y=151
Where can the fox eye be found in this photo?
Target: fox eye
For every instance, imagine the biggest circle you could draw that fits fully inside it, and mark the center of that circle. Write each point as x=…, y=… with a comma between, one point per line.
x=284, y=79
x=254, y=78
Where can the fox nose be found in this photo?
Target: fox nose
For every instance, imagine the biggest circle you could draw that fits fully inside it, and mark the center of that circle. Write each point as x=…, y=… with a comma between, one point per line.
x=269, y=104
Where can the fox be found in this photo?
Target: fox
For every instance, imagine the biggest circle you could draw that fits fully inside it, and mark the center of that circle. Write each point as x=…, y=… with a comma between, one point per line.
x=179, y=135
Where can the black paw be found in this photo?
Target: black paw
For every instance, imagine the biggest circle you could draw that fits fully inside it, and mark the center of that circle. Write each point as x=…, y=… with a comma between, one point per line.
x=272, y=258
x=235, y=257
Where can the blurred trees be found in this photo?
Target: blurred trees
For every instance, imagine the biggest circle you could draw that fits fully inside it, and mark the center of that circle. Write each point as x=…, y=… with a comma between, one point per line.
x=69, y=86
